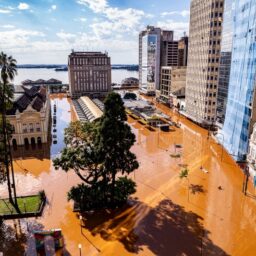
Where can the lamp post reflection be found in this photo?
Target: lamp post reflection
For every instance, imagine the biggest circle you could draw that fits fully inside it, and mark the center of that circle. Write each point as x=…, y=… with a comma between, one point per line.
x=222, y=145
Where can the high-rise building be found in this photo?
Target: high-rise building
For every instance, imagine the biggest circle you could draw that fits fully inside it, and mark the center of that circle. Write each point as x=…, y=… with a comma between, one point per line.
x=241, y=104
x=89, y=74
x=169, y=49
x=203, y=60
x=149, y=59
x=225, y=61
x=183, y=51
x=173, y=82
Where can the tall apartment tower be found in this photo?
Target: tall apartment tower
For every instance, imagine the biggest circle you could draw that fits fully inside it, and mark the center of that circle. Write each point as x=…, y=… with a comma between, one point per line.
x=240, y=113
x=169, y=49
x=89, y=74
x=203, y=60
x=149, y=59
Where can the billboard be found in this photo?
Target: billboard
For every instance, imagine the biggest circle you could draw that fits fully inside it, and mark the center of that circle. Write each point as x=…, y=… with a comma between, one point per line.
x=149, y=51
x=152, y=43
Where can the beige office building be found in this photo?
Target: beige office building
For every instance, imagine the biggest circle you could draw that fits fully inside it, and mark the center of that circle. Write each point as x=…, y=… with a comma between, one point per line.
x=89, y=74
x=203, y=60
x=173, y=82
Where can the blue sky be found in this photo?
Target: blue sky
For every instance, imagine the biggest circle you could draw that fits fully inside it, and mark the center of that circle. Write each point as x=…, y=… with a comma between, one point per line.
x=45, y=31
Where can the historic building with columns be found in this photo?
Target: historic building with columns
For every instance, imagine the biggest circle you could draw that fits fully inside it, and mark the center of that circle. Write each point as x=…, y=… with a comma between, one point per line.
x=30, y=115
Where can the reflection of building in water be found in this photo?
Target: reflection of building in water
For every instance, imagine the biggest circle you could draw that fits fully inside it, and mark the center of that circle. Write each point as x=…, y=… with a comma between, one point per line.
x=30, y=115
x=41, y=151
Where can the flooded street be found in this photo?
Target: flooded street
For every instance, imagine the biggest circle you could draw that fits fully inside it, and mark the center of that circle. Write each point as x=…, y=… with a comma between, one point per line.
x=205, y=215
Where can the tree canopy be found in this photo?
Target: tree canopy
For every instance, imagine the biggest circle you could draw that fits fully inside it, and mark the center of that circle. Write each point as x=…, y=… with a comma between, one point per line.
x=7, y=73
x=99, y=153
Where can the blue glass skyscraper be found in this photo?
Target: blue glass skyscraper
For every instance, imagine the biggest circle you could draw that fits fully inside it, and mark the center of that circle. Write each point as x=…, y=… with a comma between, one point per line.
x=225, y=61
x=240, y=116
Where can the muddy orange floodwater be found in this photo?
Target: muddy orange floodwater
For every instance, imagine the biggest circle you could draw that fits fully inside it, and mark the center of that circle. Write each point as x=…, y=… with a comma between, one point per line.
x=206, y=214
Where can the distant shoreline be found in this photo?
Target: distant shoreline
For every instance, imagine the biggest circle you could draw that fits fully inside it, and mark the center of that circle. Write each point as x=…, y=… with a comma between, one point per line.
x=63, y=67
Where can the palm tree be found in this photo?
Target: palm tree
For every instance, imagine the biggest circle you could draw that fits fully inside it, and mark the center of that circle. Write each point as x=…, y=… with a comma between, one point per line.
x=8, y=71
x=184, y=174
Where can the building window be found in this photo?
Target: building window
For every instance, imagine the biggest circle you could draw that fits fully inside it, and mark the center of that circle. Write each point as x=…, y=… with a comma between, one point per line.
x=31, y=129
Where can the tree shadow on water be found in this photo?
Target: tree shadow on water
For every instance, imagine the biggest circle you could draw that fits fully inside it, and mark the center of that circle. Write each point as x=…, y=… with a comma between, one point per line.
x=117, y=224
x=196, y=189
x=170, y=230
x=166, y=229
x=12, y=242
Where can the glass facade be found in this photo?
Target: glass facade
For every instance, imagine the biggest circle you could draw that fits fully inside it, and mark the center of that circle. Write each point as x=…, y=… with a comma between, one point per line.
x=225, y=61
x=238, y=119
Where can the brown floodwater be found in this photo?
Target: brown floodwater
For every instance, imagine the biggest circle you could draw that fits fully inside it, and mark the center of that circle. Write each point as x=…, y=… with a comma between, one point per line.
x=207, y=214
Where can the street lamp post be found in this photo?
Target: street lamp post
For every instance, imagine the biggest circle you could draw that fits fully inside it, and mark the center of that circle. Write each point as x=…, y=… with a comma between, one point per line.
x=80, y=249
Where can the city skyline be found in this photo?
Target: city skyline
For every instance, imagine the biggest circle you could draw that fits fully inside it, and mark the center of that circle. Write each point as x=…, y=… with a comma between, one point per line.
x=44, y=32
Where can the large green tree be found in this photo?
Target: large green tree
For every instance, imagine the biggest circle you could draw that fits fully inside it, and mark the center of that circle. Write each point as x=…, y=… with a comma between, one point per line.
x=99, y=153
x=8, y=72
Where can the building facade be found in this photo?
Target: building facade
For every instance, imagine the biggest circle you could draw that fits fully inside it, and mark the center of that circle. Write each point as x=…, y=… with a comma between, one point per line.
x=30, y=116
x=173, y=82
x=251, y=157
x=89, y=74
x=183, y=52
x=169, y=49
x=149, y=59
x=225, y=62
x=240, y=109
x=203, y=60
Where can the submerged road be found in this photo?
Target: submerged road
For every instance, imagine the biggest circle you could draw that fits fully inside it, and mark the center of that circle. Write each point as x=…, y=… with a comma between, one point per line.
x=205, y=215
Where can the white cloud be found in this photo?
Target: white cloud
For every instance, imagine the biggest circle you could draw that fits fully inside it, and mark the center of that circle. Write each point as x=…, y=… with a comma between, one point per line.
x=96, y=5
x=17, y=38
x=184, y=13
x=116, y=19
x=23, y=43
x=67, y=37
x=178, y=27
x=8, y=26
x=4, y=11
x=23, y=6
x=10, y=7
x=54, y=7
x=83, y=19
